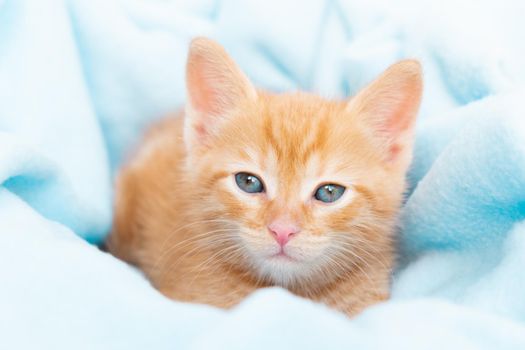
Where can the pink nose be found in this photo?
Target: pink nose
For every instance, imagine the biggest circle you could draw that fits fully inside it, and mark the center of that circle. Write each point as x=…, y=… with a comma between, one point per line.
x=282, y=231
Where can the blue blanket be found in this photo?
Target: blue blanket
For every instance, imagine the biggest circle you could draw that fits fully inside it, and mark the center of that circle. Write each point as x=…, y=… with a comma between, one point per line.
x=80, y=79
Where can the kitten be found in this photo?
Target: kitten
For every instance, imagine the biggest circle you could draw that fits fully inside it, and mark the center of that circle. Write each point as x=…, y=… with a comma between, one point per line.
x=250, y=189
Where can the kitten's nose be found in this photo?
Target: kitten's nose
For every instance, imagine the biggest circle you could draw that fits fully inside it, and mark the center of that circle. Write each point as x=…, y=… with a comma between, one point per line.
x=282, y=231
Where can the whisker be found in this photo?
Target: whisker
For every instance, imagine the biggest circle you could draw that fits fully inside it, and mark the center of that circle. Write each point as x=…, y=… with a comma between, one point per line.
x=172, y=233
x=198, y=247
x=188, y=241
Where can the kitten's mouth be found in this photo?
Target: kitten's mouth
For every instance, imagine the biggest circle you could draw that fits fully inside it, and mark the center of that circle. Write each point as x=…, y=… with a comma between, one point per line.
x=281, y=255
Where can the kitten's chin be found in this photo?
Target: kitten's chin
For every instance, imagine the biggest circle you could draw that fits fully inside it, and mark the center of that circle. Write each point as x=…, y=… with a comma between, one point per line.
x=284, y=269
x=281, y=270
x=289, y=266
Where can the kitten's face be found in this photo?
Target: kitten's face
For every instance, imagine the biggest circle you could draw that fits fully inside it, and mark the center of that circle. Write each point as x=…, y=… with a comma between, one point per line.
x=295, y=150
x=303, y=188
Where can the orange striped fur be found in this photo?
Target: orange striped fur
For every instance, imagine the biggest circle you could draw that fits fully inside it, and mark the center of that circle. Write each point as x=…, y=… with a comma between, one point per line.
x=181, y=218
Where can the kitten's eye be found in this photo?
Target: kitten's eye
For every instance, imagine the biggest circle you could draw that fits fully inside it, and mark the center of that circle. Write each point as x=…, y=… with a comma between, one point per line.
x=329, y=193
x=249, y=183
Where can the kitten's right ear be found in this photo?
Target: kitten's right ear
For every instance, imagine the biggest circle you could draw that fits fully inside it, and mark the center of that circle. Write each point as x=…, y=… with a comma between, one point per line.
x=215, y=88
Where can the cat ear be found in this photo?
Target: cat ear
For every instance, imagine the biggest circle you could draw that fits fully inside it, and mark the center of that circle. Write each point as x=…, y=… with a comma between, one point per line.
x=215, y=88
x=389, y=105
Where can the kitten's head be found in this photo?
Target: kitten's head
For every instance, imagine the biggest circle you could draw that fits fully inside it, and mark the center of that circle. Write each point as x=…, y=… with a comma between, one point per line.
x=297, y=187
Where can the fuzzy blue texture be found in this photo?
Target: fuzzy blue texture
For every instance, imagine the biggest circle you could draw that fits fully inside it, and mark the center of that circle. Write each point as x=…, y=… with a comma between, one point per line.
x=80, y=79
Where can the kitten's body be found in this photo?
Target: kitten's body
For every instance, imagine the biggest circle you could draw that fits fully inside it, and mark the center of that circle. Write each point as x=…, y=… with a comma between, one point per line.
x=180, y=218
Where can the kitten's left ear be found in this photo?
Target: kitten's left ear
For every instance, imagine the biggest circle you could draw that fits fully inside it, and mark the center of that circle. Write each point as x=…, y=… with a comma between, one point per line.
x=389, y=105
x=215, y=88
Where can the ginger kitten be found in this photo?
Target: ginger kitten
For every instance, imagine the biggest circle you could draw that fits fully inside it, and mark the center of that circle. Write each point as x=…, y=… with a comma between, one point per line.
x=250, y=189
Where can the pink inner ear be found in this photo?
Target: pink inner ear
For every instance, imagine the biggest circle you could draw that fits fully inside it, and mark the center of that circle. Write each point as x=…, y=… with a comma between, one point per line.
x=394, y=151
x=389, y=105
x=400, y=121
x=203, y=88
x=398, y=126
x=200, y=131
x=215, y=87
x=202, y=101
x=403, y=114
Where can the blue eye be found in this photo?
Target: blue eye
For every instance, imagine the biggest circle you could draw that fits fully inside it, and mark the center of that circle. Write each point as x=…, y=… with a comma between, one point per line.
x=249, y=183
x=329, y=193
